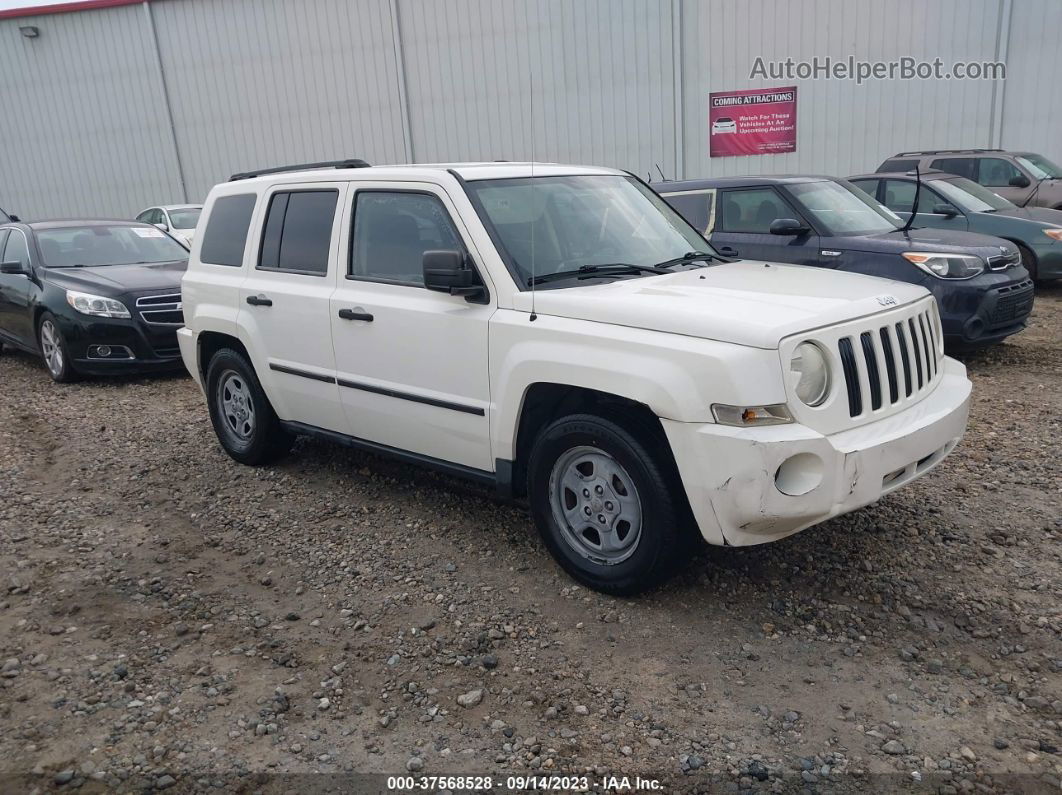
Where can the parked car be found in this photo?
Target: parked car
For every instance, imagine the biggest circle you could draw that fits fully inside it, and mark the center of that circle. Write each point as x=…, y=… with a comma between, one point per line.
x=178, y=219
x=1025, y=178
x=568, y=339
x=984, y=293
x=724, y=124
x=948, y=201
x=91, y=297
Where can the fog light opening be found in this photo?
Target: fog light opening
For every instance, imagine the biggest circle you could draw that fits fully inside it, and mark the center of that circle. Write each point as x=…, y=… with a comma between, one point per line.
x=799, y=474
x=104, y=350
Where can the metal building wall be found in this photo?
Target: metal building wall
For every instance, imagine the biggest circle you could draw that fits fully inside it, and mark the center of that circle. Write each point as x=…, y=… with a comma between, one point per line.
x=623, y=83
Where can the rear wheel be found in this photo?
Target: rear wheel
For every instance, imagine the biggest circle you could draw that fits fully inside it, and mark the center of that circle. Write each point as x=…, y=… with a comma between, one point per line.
x=606, y=504
x=54, y=351
x=243, y=419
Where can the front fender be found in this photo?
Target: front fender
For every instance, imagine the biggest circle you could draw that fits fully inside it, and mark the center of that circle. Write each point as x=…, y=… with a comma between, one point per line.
x=677, y=377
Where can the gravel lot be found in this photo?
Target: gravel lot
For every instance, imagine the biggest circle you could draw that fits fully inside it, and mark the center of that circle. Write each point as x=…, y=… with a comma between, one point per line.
x=169, y=618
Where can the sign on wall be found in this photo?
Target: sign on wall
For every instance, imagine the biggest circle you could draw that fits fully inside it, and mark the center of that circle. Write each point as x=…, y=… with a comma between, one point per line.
x=761, y=121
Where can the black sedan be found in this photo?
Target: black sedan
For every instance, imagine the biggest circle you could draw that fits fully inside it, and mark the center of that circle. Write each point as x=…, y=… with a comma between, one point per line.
x=92, y=297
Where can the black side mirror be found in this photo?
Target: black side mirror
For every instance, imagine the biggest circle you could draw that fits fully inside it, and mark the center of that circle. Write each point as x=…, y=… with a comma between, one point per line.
x=13, y=269
x=945, y=209
x=1019, y=181
x=788, y=226
x=447, y=271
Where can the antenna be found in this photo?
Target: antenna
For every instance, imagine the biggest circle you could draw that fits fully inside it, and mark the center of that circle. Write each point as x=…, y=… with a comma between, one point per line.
x=660, y=172
x=531, y=102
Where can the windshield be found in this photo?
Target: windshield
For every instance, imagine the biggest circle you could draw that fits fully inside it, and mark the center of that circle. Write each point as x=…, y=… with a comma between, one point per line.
x=70, y=246
x=1040, y=166
x=185, y=219
x=573, y=221
x=843, y=209
x=968, y=195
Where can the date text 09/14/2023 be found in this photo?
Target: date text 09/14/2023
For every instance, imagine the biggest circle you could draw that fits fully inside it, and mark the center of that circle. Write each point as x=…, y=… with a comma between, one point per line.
x=518, y=783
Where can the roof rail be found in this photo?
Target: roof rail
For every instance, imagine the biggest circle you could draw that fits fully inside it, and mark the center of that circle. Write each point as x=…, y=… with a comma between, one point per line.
x=948, y=152
x=349, y=163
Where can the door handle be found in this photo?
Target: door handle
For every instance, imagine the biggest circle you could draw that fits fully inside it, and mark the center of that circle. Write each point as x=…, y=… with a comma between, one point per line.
x=727, y=251
x=350, y=314
x=259, y=300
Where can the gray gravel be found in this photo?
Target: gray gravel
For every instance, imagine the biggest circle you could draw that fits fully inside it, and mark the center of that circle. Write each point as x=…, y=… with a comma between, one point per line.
x=169, y=618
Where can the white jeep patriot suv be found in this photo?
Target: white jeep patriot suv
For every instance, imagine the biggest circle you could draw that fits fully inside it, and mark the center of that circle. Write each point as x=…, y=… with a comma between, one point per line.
x=561, y=333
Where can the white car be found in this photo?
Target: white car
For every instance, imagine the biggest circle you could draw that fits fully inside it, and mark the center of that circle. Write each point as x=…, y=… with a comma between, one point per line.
x=569, y=339
x=724, y=124
x=178, y=219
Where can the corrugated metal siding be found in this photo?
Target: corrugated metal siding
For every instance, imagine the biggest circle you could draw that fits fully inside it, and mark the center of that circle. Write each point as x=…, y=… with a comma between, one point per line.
x=601, y=72
x=1032, y=106
x=265, y=82
x=842, y=128
x=83, y=129
x=255, y=83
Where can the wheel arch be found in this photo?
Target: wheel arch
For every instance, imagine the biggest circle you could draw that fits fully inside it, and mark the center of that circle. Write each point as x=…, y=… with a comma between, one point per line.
x=208, y=343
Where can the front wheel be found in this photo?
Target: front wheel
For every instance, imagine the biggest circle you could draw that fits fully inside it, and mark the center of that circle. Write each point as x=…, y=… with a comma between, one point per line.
x=607, y=504
x=1028, y=259
x=243, y=418
x=53, y=349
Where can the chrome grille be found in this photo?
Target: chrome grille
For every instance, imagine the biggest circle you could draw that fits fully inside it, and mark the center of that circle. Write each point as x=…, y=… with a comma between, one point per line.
x=161, y=310
x=1004, y=261
x=891, y=362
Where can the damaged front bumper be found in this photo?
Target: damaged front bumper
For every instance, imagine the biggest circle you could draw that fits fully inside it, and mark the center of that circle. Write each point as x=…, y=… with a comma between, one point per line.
x=755, y=485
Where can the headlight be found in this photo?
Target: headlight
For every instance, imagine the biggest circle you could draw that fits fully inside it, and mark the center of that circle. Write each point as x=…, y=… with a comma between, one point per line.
x=88, y=304
x=1054, y=234
x=946, y=266
x=810, y=373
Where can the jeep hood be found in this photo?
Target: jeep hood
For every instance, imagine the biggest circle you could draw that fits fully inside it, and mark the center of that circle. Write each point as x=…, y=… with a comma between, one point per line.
x=747, y=303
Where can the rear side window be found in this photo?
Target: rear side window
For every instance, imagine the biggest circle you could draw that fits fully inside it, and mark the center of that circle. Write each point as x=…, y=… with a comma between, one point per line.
x=298, y=231
x=226, y=232
x=963, y=166
x=898, y=165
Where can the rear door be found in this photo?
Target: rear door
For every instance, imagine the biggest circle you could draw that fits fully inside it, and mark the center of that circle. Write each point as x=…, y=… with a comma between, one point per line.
x=743, y=227
x=411, y=363
x=284, y=302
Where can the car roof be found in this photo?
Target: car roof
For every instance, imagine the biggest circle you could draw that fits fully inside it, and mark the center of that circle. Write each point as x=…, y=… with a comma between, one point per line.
x=62, y=223
x=929, y=173
x=425, y=171
x=738, y=182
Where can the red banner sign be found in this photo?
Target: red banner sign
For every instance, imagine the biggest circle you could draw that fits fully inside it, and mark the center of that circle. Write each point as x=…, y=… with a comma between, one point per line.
x=761, y=121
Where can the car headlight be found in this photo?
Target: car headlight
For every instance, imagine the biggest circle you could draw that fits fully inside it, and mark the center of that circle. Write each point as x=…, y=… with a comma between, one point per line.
x=946, y=266
x=1054, y=234
x=88, y=304
x=809, y=372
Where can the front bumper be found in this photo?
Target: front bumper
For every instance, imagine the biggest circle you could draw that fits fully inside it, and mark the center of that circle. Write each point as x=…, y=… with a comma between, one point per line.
x=135, y=346
x=731, y=475
x=984, y=310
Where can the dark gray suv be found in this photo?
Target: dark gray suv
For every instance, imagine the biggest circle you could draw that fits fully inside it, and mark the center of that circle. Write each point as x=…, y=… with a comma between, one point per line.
x=1024, y=178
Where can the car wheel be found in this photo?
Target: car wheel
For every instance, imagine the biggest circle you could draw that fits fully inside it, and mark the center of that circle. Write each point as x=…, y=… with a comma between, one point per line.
x=240, y=412
x=53, y=349
x=607, y=504
x=1028, y=259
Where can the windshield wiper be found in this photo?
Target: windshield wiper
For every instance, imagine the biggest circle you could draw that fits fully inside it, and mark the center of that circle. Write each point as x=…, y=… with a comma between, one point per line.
x=691, y=256
x=593, y=272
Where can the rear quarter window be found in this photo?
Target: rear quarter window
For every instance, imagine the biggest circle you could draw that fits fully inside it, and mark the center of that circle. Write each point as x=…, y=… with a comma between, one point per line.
x=225, y=236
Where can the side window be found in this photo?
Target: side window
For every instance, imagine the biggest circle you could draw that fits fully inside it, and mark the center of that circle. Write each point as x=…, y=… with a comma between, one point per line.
x=995, y=172
x=752, y=211
x=697, y=207
x=868, y=186
x=15, y=250
x=963, y=166
x=298, y=231
x=899, y=195
x=145, y=217
x=225, y=235
x=897, y=165
x=392, y=230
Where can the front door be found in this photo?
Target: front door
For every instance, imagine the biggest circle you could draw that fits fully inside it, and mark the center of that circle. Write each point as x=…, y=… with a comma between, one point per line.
x=16, y=321
x=743, y=228
x=411, y=363
x=284, y=303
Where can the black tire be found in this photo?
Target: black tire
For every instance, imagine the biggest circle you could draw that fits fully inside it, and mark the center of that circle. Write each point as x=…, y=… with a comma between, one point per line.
x=263, y=439
x=50, y=341
x=664, y=535
x=1028, y=259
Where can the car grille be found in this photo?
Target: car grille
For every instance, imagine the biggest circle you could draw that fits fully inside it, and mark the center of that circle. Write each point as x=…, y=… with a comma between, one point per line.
x=1013, y=304
x=1001, y=263
x=161, y=310
x=891, y=362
